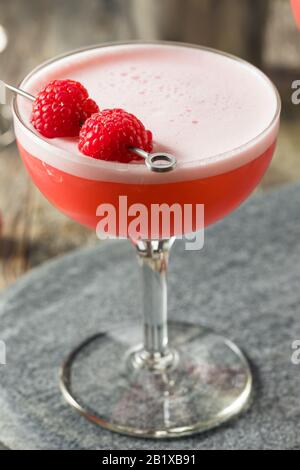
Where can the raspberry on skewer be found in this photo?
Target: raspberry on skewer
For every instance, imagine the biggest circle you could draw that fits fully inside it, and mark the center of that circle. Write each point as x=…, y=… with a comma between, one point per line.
x=63, y=107
x=110, y=135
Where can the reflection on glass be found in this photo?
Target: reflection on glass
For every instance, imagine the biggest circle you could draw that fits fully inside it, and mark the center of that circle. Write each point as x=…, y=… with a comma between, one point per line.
x=3, y=39
x=6, y=133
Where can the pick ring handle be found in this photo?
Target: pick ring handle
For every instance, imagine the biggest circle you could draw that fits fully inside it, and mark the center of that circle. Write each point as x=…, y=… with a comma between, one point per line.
x=161, y=162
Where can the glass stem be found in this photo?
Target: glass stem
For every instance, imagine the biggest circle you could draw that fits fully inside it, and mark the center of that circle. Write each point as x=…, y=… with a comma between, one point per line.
x=153, y=259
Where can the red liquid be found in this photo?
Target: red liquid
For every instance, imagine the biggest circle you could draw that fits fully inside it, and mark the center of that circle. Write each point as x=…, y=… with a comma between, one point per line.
x=295, y=4
x=79, y=198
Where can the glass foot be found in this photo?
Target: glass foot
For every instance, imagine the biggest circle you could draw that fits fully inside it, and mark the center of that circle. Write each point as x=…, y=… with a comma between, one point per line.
x=208, y=383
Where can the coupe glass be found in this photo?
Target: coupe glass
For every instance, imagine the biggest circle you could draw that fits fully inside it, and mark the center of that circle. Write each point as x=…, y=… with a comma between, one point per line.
x=183, y=378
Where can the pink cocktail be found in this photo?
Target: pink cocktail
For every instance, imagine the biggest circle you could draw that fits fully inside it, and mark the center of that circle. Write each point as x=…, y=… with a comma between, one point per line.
x=219, y=116
x=214, y=114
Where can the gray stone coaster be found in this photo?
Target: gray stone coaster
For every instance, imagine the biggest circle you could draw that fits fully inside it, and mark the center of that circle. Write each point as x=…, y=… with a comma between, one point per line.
x=244, y=283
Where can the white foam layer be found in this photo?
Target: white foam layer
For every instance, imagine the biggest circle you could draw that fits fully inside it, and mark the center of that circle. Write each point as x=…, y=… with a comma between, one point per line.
x=213, y=112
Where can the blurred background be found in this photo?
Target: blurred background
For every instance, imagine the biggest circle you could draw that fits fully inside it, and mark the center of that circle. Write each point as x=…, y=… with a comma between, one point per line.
x=31, y=31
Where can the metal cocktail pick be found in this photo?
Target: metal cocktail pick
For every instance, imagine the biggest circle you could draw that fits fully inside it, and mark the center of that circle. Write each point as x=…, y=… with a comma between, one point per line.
x=160, y=162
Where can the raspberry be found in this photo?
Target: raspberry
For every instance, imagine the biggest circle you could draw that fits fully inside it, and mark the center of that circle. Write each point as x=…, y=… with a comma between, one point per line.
x=61, y=108
x=108, y=135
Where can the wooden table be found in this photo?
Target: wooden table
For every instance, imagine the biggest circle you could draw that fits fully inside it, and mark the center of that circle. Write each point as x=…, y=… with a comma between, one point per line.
x=32, y=230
